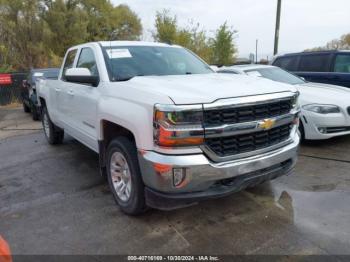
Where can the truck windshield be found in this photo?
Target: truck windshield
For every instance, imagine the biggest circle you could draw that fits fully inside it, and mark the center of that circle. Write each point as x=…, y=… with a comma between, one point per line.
x=276, y=74
x=126, y=62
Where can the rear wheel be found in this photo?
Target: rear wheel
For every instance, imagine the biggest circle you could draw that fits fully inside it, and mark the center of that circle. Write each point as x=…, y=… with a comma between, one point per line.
x=124, y=176
x=53, y=133
x=35, y=113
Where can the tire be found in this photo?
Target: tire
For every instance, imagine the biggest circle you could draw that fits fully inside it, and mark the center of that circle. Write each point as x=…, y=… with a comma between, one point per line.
x=132, y=200
x=35, y=113
x=53, y=133
x=26, y=108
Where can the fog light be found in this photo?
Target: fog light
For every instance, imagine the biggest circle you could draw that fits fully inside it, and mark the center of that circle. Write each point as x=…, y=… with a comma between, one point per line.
x=322, y=130
x=179, y=175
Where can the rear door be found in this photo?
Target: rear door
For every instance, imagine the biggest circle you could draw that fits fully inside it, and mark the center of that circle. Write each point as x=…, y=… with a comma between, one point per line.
x=341, y=75
x=316, y=67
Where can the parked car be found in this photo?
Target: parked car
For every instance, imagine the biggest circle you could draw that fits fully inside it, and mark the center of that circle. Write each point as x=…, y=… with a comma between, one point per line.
x=325, y=109
x=29, y=92
x=168, y=129
x=328, y=67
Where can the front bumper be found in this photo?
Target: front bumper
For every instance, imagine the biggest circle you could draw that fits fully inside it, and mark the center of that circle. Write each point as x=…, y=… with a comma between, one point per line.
x=206, y=179
x=334, y=125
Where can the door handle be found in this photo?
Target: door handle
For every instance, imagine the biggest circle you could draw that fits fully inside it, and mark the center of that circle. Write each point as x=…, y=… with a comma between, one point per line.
x=57, y=89
x=71, y=92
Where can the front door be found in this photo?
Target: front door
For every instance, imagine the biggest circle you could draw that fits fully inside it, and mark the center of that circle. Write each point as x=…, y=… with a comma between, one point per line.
x=83, y=101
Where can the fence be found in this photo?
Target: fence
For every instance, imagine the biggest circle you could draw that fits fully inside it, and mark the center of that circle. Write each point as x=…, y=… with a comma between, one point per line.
x=11, y=88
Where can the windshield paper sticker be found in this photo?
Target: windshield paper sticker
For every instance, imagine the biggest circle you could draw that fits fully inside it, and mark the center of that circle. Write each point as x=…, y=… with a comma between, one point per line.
x=118, y=53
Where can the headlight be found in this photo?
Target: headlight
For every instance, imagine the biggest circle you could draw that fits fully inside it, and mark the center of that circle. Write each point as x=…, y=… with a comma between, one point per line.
x=176, y=126
x=322, y=109
x=295, y=101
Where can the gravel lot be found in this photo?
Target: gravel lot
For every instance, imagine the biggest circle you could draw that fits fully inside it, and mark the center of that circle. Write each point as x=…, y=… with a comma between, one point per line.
x=53, y=201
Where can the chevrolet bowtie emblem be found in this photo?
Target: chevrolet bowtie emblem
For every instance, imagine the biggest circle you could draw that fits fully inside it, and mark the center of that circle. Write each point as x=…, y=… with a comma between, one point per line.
x=267, y=124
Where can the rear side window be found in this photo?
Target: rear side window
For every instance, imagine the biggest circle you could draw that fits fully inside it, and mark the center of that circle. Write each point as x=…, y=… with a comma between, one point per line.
x=87, y=60
x=314, y=63
x=342, y=63
x=52, y=74
x=287, y=63
x=69, y=62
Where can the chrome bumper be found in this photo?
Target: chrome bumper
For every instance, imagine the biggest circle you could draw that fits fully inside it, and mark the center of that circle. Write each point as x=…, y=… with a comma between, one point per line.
x=202, y=174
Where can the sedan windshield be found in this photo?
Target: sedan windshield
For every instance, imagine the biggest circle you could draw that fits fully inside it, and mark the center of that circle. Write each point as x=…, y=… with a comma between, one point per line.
x=126, y=62
x=276, y=74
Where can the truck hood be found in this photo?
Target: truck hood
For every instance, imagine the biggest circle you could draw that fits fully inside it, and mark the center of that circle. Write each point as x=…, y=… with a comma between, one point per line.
x=207, y=88
x=323, y=94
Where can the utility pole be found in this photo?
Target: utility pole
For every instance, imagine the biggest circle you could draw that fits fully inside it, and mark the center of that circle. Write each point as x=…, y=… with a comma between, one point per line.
x=277, y=31
x=256, y=51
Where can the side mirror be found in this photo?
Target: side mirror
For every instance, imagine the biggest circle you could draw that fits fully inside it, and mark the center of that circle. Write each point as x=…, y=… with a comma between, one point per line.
x=82, y=76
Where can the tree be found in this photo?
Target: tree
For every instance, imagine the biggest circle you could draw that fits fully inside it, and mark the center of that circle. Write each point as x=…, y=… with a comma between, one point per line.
x=219, y=49
x=343, y=43
x=166, y=28
x=5, y=65
x=191, y=37
x=107, y=22
x=37, y=33
x=126, y=25
x=223, y=47
x=67, y=24
x=22, y=33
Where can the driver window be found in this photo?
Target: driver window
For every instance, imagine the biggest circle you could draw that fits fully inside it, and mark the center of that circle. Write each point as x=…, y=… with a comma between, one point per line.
x=342, y=63
x=87, y=60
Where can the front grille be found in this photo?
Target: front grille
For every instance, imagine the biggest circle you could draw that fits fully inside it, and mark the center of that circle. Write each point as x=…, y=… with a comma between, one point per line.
x=234, y=115
x=232, y=145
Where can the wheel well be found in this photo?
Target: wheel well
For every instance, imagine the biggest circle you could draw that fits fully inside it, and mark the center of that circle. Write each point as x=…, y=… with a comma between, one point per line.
x=109, y=131
x=42, y=101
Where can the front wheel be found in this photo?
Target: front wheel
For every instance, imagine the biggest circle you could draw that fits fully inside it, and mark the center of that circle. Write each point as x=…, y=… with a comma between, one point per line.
x=124, y=176
x=53, y=133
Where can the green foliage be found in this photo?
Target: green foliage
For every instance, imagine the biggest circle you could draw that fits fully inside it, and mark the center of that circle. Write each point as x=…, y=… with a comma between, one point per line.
x=166, y=28
x=22, y=32
x=67, y=26
x=223, y=46
x=38, y=32
x=218, y=50
x=4, y=60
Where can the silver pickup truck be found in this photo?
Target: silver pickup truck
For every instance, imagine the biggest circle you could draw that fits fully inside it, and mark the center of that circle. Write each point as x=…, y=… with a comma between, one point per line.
x=170, y=131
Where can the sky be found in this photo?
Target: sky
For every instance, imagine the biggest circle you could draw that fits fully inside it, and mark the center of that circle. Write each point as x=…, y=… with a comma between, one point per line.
x=304, y=23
